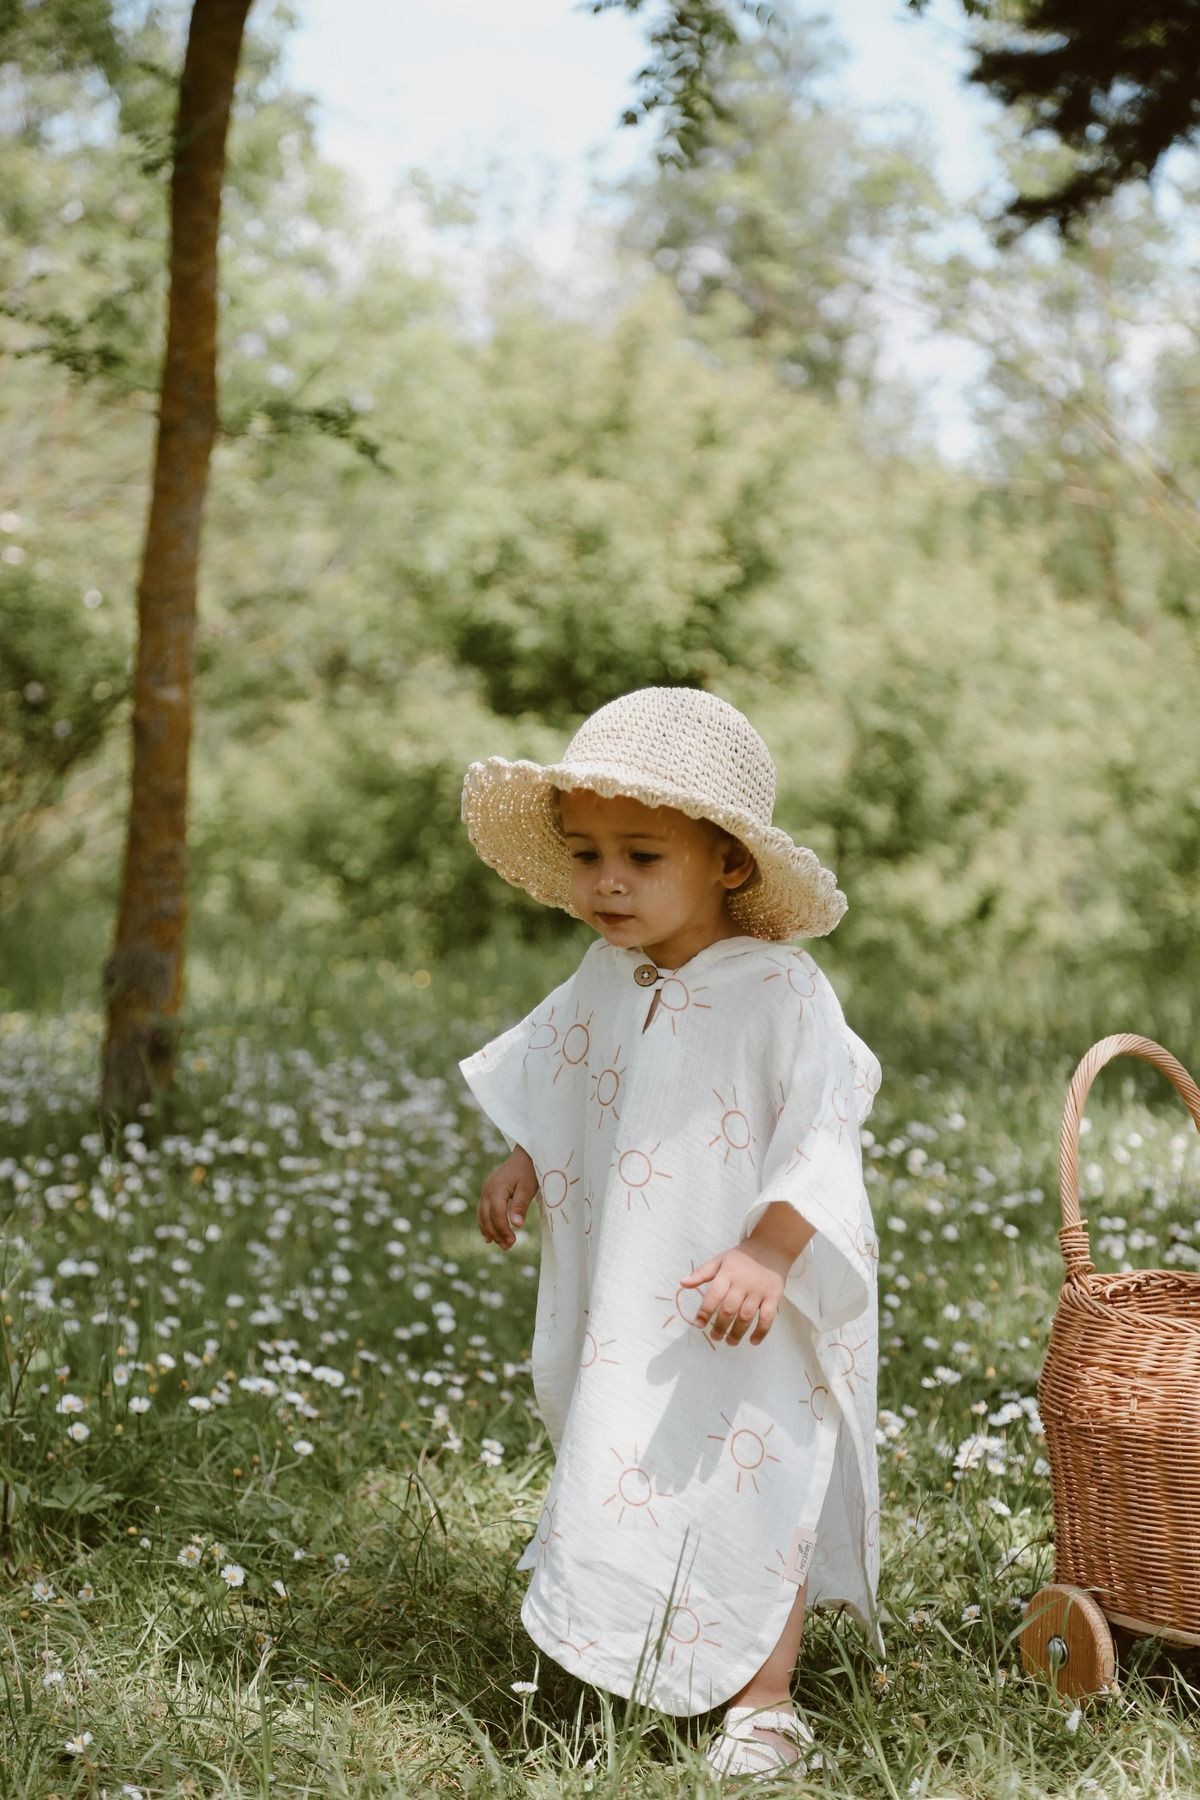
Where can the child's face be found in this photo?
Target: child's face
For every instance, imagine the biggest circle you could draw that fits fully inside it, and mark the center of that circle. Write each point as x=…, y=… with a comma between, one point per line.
x=649, y=877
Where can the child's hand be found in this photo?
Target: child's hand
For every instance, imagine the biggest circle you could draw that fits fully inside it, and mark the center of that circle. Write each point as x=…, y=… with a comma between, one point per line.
x=506, y=1198
x=746, y=1280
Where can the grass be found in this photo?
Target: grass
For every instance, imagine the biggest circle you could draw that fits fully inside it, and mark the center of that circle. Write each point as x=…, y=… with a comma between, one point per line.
x=281, y=1560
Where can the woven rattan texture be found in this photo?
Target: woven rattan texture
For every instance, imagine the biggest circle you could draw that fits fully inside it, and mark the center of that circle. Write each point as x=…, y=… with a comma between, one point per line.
x=1119, y=1397
x=675, y=747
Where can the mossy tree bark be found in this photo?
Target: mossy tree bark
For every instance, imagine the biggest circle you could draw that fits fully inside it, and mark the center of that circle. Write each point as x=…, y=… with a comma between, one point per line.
x=143, y=975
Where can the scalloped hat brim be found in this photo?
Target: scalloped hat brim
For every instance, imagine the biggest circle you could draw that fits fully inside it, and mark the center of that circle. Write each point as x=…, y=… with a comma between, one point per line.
x=508, y=809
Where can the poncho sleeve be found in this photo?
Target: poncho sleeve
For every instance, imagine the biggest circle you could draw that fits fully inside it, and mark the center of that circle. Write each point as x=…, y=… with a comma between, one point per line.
x=813, y=1162
x=501, y=1075
x=496, y=1076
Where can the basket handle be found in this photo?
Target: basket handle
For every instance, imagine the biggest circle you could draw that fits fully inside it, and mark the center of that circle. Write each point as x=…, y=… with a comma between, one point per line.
x=1073, y=1237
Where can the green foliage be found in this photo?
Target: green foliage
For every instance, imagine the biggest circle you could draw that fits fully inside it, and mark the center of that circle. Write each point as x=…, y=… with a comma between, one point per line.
x=84, y=196
x=782, y=232
x=678, y=83
x=1118, y=89
x=62, y=680
x=70, y=35
x=978, y=686
x=640, y=539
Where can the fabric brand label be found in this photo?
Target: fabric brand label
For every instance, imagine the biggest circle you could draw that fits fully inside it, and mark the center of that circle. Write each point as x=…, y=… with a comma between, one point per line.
x=800, y=1555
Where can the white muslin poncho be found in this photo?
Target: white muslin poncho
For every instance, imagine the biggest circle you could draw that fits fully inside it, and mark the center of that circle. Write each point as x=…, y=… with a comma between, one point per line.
x=695, y=1484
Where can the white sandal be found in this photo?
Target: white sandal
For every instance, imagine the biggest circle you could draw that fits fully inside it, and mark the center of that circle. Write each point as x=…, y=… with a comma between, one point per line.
x=737, y=1751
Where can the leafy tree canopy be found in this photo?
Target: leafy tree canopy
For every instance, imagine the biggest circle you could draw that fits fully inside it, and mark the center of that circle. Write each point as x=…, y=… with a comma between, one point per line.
x=1117, y=84
x=686, y=38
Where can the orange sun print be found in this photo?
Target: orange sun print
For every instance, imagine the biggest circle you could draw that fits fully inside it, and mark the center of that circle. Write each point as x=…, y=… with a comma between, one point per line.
x=594, y=1349
x=800, y=977
x=686, y=1629
x=636, y=1171
x=634, y=1490
x=556, y=1185
x=867, y=1081
x=569, y=1644
x=748, y=1452
x=577, y=1041
x=606, y=1089
x=733, y=1133
x=849, y=1355
x=546, y=1531
x=818, y=1397
x=675, y=998
x=800, y=1154
x=685, y=1303
x=542, y=1036
x=866, y=1243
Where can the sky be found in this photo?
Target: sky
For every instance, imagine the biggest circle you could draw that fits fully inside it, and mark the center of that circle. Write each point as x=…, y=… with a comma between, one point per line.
x=537, y=86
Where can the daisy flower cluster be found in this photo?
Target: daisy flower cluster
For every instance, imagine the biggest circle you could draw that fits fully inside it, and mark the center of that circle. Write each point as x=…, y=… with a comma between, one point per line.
x=290, y=1295
x=266, y=1290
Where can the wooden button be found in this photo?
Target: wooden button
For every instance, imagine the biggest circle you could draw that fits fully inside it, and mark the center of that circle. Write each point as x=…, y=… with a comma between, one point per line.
x=645, y=974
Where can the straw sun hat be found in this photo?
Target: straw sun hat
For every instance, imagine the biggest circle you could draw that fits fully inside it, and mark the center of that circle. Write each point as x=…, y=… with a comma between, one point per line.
x=675, y=747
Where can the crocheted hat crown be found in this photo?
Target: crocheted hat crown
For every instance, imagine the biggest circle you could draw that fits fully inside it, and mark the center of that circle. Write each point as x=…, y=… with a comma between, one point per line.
x=680, y=740
x=676, y=747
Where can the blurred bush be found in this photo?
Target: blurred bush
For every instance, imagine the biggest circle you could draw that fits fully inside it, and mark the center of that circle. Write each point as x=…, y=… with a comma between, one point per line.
x=452, y=512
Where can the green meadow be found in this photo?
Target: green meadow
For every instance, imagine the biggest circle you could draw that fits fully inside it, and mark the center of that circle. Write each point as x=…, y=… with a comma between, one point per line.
x=269, y=1451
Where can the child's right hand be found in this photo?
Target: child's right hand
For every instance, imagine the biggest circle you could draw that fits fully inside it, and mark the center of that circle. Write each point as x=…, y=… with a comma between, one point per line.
x=506, y=1198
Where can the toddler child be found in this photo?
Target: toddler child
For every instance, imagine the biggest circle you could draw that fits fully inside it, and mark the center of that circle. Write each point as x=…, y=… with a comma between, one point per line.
x=687, y=1106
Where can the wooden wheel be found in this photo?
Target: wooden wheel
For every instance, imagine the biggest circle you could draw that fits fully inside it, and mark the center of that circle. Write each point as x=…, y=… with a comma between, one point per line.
x=1066, y=1638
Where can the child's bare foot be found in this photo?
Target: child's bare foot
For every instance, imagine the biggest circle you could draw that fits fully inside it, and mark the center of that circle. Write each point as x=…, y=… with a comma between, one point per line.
x=757, y=1740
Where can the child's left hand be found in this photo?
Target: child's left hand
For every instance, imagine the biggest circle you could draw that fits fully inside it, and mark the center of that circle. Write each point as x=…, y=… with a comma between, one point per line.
x=743, y=1281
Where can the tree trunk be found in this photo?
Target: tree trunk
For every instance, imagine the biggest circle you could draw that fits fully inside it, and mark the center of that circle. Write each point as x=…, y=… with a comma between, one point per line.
x=143, y=975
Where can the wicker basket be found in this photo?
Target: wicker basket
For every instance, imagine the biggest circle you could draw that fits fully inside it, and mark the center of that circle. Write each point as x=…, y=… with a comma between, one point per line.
x=1119, y=1396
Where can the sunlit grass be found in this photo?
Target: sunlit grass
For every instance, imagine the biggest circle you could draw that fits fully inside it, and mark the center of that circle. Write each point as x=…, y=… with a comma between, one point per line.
x=280, y=1556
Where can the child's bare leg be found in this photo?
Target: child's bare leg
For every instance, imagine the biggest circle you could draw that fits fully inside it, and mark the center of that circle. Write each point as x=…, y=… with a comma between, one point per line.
x=771, y=1686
